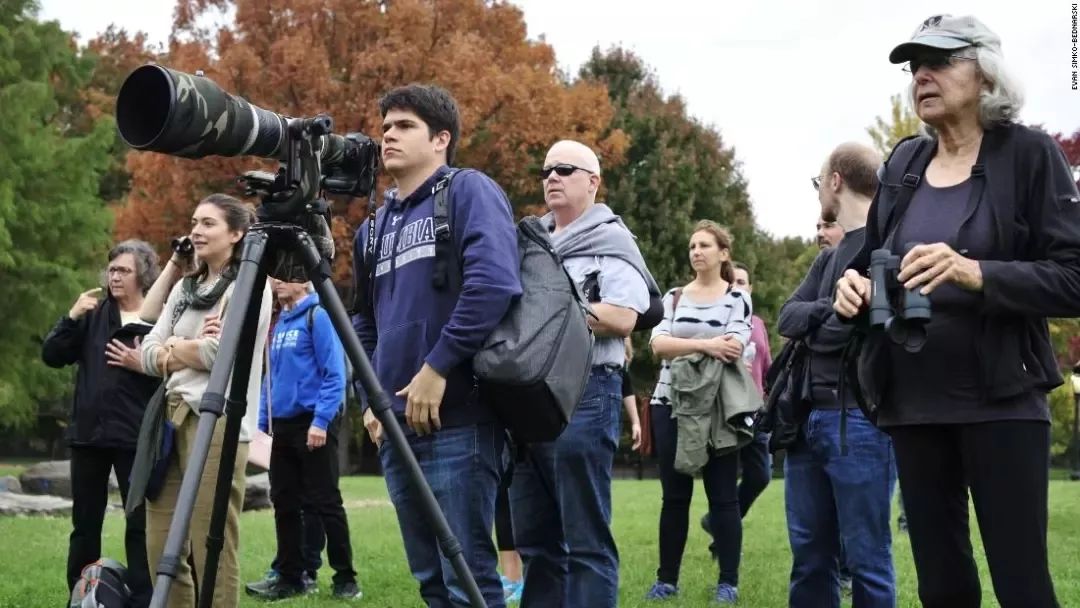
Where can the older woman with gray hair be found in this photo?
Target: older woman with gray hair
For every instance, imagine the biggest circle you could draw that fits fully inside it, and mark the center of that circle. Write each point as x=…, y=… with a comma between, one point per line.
x=992, y=215
x=108, y=405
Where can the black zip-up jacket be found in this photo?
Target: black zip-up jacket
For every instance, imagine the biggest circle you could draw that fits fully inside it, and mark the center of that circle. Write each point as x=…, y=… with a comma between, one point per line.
x=1033, y=270
x=109, y=401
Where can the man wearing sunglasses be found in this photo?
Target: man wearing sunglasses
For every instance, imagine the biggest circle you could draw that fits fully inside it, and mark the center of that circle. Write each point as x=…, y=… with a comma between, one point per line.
x=560, y=500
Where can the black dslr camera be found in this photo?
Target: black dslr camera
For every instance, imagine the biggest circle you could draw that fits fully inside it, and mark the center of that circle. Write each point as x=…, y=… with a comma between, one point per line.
x=901, y=313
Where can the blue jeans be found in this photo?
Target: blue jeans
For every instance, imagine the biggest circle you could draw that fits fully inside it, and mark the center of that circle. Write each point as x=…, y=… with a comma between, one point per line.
x=560, y=503
x=463, y=466
x=832, y=498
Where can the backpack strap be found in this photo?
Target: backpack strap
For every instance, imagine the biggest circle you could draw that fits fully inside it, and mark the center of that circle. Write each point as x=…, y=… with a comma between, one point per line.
x=444, y=273
x=310, y=314
x=904, y=168
x=675, y=302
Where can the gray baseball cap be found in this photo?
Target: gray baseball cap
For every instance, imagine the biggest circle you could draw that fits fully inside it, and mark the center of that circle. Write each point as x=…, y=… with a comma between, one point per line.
x=945, y=32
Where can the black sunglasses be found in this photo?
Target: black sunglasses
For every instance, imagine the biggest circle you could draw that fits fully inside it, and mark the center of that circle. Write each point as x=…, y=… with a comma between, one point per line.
x=562, y=169
x=934, y=61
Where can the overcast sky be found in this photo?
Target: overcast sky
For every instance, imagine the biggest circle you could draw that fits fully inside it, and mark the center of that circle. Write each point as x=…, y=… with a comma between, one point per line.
x=783, y=81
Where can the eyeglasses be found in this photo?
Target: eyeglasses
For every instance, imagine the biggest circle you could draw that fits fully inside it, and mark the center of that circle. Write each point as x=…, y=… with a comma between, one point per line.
x=816, y=180
x=562, y=169
x=120, y=270
x=934, y=61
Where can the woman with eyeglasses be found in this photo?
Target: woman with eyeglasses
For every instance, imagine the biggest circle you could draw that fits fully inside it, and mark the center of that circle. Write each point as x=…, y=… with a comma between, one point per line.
x=107, y=408
x=992, y=214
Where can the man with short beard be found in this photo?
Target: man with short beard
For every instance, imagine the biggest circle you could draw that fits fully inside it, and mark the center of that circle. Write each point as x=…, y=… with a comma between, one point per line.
x=828, y=233
x=833, y=498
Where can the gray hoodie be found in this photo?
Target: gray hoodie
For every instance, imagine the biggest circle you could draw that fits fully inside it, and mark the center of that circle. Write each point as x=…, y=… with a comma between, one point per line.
x=599, y=232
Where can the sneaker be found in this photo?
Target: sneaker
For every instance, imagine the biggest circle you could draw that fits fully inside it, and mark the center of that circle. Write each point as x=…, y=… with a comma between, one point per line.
x=845, y=584
x=311, y=584
x=512, y=589
x=347, y=591
x=260, y=587
x=662, y=591
x=726, y=594
x=278, y=590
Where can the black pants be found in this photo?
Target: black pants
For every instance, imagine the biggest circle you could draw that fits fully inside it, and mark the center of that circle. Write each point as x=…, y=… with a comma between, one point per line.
x=756, y=471
x=90, y=469
x=720, y=477
x=504, y=525
x=1006, y=466
x=298, y=474
x=313, y=544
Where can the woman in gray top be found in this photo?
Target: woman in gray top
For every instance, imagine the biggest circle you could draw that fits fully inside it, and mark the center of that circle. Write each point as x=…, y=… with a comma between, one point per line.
x=997, y=211
x=707, y=316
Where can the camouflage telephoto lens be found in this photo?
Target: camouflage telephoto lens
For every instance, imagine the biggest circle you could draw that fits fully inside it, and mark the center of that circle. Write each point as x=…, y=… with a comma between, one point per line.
x=167, y=111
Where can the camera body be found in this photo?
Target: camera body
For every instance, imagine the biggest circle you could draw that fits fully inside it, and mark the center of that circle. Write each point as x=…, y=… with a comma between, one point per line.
x=901, y=313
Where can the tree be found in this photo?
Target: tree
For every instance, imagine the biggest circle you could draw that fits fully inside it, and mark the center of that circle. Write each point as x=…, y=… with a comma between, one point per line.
x=54, y=229
x=1071, y=146
x=902, y=123
x=302, y=57
x=677, y=171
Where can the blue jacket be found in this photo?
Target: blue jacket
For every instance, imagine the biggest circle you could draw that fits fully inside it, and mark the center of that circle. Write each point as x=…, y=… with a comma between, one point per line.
x=307, y=367
x=415, y=324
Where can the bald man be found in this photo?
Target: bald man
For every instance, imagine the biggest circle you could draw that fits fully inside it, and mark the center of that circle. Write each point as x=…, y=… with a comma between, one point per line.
x=561, y=494
x=827, y=493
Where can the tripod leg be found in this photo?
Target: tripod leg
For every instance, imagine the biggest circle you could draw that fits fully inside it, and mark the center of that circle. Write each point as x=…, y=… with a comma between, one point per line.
x=319, y=272
x=234, y=416
x=213, y=404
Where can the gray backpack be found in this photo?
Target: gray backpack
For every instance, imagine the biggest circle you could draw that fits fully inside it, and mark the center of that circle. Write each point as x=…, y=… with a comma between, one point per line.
x=533, y=368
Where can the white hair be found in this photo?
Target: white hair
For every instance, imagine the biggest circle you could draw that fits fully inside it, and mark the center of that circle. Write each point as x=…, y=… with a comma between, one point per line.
x=998, y=103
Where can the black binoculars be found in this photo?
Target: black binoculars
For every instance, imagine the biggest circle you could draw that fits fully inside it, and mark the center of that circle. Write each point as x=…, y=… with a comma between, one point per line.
x=183, y=246
x=902, y=313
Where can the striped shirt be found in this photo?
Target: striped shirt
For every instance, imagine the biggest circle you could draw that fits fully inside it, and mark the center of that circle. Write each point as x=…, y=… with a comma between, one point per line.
x=730, y=315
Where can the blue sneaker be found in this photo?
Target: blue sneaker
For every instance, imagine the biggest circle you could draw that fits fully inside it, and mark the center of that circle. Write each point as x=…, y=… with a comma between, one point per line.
x=726, y=594
x=512, y=590
x=662, y=591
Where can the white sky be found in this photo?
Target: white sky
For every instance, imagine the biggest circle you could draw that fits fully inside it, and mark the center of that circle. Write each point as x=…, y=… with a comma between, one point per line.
x=783, y=81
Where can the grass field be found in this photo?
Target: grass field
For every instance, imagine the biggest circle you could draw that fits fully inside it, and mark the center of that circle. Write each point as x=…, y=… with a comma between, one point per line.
x=33, y=551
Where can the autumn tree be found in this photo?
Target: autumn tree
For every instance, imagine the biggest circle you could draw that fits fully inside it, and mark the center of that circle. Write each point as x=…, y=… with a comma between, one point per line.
x=54, y=229
x=677, y=171
x=303, y=57
x=902, y=123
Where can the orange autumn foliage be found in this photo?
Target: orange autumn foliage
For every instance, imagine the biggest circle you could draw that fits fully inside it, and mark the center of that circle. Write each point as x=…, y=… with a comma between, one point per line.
x=303, y=57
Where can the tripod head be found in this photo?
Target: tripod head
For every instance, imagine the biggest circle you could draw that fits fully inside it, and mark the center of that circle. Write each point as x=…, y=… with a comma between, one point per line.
x=294, y=195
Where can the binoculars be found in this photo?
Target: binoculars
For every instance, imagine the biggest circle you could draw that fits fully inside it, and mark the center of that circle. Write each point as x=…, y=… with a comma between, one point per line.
x=183, y=246
x=901, y=313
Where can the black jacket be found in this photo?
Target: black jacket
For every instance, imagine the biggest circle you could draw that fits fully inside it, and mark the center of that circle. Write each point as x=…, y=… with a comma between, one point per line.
x=1033, y=272
x=109, y=401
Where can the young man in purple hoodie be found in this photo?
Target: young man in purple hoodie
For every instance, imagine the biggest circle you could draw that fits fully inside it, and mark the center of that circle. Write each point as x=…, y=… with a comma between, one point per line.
x=421, y=335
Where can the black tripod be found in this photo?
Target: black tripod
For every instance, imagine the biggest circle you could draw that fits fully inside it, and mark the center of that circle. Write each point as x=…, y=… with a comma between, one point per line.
x=235, y=351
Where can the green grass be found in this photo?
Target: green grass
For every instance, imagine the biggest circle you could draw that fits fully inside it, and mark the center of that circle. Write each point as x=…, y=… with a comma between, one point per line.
x=33, y=551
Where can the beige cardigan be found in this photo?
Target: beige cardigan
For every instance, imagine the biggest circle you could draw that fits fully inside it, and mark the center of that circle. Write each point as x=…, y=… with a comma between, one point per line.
x=190, y=384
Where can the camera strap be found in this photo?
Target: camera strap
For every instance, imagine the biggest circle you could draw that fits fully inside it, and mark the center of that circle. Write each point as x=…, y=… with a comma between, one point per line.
x=444, y=249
